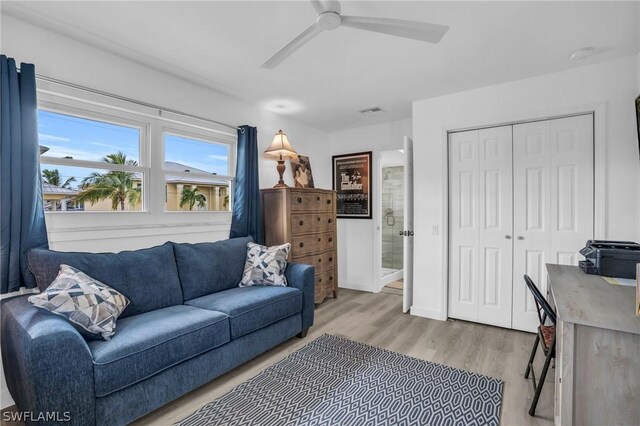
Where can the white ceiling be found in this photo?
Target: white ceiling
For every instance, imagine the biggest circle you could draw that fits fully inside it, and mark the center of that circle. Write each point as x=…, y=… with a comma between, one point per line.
x=223, y=44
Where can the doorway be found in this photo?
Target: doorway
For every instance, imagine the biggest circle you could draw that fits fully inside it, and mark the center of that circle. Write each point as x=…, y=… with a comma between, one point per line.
x=392, y=218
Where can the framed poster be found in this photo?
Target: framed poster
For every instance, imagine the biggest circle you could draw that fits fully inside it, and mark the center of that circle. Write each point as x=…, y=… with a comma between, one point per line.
x=301, y=169
x=352, y=183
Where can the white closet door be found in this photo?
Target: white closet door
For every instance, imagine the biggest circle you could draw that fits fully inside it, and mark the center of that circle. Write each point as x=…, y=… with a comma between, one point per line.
x=480, y=226
x=495, y=211
x=463, y=225
x=553, y=203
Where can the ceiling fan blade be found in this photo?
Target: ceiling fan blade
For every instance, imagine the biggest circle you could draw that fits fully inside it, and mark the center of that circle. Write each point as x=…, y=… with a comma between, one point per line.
x=423, y=31
x=326, y=6
x=298, y=41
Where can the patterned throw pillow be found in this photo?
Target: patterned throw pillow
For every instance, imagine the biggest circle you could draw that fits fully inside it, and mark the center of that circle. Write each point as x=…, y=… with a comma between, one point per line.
x=89, y=305
x=265, y=265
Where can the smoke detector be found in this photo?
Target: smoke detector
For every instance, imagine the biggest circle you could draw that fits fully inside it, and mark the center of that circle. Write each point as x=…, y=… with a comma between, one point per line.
x=583, y=53
x=371, y=110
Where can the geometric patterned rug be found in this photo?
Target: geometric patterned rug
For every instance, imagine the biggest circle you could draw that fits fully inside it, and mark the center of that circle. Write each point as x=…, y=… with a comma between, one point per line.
x=336, y=381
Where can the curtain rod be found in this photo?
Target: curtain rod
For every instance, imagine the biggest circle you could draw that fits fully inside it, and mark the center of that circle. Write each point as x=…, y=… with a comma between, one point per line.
x=124, y=98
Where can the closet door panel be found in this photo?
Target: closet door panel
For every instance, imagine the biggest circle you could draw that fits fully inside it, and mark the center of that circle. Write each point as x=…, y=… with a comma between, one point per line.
x=480, y=197
x=532, y=217
x=553, y=203
x=572, y=221
x=463, y=225
x=495, y=213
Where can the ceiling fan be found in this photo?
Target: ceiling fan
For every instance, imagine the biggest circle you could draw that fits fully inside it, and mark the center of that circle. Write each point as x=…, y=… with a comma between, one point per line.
x=329, y=18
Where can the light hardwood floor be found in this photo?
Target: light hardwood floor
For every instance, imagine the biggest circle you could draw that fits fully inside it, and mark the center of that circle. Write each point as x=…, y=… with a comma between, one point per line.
x=377, y=319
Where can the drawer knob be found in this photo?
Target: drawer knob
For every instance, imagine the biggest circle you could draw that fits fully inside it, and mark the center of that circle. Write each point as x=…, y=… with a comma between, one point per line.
x=328, y=201
x=330, y=278
x=330, y=239
x=331, y=259
x=317, y=198
x=330, y=220
x=299, y=199
x=319, y=280
x=318, y=218
x=301, y=222
x=319, y=239
x=320, y=260
x=301, y=244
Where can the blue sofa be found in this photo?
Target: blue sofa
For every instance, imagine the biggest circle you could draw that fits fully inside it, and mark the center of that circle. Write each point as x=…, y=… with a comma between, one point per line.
x=188, y=322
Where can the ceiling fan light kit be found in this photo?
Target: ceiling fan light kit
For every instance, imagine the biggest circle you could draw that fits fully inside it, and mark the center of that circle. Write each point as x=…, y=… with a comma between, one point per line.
x=329, y=18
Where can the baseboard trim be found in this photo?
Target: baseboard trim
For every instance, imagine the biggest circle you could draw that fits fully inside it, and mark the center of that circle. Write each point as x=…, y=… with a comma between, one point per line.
x=368, y=287
x=419, y=311
x=388, y=279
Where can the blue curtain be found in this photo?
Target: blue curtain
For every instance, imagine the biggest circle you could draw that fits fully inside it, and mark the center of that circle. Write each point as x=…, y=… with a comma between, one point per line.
x=22, y=218
x=247, y=214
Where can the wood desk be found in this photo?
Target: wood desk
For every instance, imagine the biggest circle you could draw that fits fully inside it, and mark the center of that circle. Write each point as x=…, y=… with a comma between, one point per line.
x=597, y=349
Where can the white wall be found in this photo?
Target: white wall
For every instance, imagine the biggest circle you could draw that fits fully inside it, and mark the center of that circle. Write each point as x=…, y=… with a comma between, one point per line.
x=357, y=238
x=609, y=87
x=65, y=59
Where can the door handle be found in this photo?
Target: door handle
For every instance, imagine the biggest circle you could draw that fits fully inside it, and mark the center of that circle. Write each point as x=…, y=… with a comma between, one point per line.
x=508, y=237
x=520, y=237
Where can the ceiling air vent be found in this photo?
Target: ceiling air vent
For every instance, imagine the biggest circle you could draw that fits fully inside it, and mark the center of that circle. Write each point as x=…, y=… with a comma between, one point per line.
x=371, y=110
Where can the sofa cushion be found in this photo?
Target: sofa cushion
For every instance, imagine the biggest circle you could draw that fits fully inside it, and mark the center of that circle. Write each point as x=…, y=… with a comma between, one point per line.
x=148, y=277
x=90, y=306
x=251, y=308
x=148, y=343
x=206, y=268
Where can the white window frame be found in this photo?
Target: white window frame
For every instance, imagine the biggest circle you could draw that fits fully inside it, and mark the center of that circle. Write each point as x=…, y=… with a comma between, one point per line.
x=77, y=102
x=118, y=120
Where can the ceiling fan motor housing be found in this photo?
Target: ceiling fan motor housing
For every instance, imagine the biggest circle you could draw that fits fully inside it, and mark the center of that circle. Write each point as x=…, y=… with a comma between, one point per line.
x=329, y=20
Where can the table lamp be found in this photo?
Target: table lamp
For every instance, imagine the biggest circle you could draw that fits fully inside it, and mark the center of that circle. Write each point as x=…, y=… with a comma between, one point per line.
x=280, y=150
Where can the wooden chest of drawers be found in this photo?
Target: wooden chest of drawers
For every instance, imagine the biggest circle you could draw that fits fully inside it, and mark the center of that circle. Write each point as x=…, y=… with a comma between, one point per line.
x=306, y=218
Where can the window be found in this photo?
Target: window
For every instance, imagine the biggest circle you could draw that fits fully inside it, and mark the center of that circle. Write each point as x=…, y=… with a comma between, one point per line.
x=68, y=136
x=111, y=156
x=81, y=189
x=196, y=173
x=89, y=164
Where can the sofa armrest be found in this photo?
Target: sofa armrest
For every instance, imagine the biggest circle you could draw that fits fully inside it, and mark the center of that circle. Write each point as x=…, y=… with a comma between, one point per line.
x=302, y=276
x=47, y=365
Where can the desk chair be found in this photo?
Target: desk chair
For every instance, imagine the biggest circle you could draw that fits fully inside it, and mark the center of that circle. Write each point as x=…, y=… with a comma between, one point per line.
x=546, y=337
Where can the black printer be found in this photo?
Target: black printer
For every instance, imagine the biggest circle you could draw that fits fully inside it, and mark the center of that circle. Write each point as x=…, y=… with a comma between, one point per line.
x=610, y=258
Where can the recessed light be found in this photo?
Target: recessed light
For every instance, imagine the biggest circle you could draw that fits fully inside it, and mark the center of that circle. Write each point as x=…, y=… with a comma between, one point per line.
x=583, y=53
x=282, y=106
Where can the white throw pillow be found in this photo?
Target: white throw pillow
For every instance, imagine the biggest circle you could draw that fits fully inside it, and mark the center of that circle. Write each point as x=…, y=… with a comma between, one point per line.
x=265, y=265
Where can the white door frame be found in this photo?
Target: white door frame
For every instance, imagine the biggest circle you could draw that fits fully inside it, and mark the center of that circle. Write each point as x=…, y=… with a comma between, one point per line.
x=409, y=226
x=599, y=112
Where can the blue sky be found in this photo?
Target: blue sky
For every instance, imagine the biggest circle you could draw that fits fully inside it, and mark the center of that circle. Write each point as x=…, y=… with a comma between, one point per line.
x=91, y=140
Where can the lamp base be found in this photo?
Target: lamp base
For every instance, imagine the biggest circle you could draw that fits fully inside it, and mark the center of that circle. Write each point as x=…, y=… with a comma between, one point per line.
x=281, y=168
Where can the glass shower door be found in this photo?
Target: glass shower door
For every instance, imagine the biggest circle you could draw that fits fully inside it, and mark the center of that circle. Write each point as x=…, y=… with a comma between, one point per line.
x=392, y=219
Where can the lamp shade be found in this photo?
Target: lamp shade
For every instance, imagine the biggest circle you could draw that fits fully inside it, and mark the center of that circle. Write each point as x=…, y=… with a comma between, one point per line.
x=280, y=148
